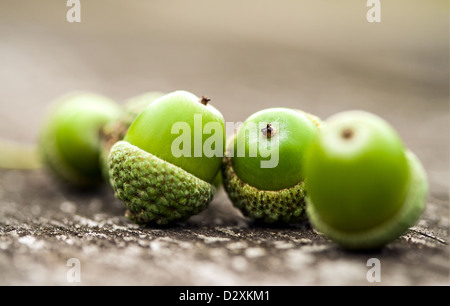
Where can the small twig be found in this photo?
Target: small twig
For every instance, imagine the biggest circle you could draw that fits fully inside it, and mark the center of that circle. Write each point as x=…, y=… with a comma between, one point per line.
x=429, y=235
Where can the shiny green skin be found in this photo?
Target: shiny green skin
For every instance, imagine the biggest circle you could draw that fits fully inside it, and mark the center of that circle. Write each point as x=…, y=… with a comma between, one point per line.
x=294, y=134
x=69, y=139
x=151, y=132
x=390, y=229
x=357, y=183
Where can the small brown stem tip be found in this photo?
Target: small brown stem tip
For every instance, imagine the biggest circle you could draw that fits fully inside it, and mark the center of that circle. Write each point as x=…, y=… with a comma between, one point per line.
x=268, y=131
x=204, y=100
x=347, y=133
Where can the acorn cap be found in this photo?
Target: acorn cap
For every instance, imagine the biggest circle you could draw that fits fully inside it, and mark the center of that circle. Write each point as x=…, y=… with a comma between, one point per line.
x=155, y=191
x=396, y=226
x=285, y=205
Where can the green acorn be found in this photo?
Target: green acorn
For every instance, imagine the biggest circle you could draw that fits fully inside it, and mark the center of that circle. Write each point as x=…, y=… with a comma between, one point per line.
x=69, y=140
x=364, y=188
x=270, y=188
x=116, y=130
x=163, y=177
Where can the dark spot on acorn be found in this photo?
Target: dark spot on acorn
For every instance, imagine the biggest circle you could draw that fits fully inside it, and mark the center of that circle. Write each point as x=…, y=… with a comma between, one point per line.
x=347, y=134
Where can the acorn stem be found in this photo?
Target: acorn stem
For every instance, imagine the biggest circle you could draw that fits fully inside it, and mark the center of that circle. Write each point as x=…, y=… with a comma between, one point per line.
x=204, y=100
x=268, y=131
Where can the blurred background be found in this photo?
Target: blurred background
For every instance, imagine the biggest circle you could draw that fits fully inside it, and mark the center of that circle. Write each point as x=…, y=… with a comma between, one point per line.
x=321, y=56
x=317, y=55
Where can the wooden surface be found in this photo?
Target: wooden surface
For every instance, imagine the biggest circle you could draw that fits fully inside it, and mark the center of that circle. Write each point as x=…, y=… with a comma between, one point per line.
x=313, y=55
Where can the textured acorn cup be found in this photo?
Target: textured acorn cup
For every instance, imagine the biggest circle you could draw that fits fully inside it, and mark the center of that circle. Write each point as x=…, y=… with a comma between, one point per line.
x=154, y=190
x=69, y=140
x=364, y=188
x=250, y=188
